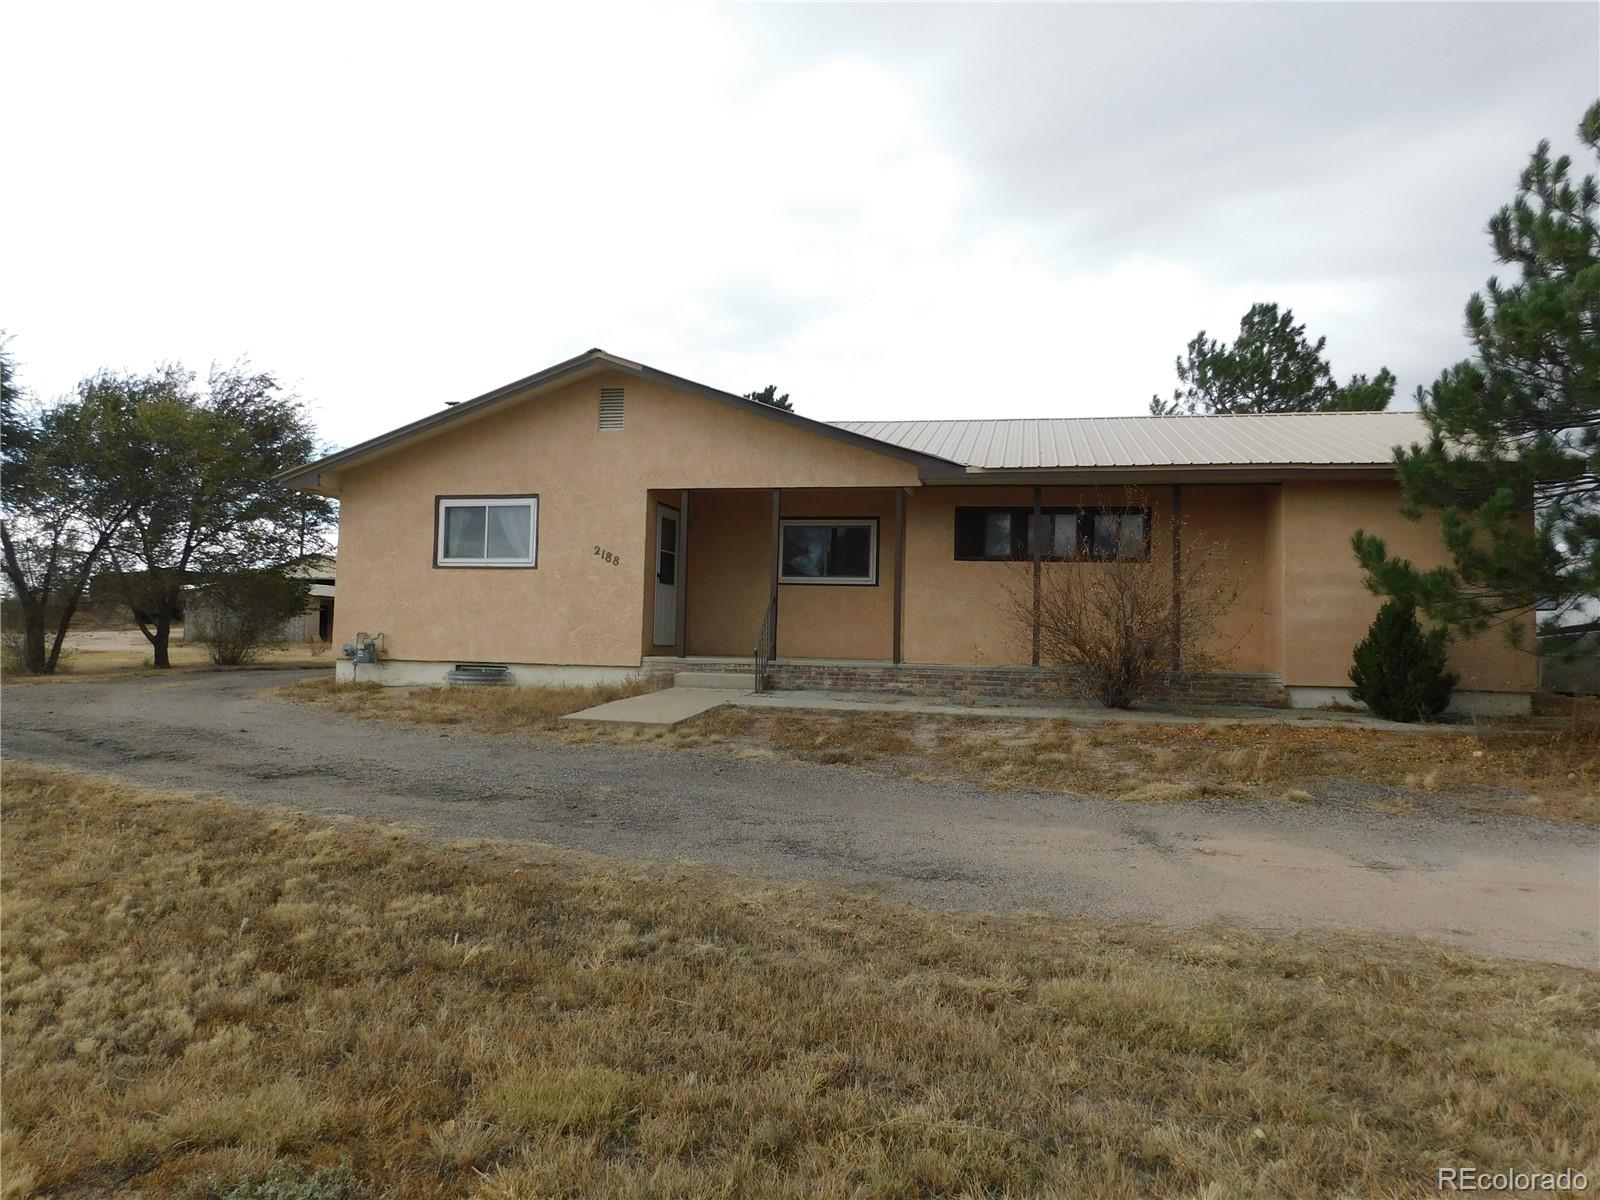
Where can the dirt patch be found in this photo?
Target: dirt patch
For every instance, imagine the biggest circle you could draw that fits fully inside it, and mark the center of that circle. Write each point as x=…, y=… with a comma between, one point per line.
x=1484, y=880
x=1548, y=768
x=125, y=639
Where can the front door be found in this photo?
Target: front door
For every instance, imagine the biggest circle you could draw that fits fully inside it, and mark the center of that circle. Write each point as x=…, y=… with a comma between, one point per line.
x=666, y=615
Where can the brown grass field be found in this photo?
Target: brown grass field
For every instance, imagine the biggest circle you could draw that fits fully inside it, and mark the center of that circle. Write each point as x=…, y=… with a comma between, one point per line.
x=194, y=992
x=80, y=664
x=1548, y=766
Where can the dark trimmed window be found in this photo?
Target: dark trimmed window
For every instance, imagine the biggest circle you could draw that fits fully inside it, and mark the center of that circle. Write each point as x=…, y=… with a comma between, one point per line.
x=829, y=550
x=1064, y=534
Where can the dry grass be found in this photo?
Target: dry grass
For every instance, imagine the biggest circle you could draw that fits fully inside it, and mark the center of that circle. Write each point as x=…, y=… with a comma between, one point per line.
x=583, y=1099
x=485, y=709
x=1547, y=766
x=1549, y=771
x=194, y=990
x=186, y=657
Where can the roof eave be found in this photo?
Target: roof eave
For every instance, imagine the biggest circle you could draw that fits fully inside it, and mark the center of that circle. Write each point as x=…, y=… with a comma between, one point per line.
x=1177, y=473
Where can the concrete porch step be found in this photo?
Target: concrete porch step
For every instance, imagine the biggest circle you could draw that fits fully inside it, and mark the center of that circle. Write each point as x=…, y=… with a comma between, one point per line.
x=734, y=681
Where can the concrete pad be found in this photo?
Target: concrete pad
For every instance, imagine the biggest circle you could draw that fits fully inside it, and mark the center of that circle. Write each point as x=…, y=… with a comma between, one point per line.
x=656, y=710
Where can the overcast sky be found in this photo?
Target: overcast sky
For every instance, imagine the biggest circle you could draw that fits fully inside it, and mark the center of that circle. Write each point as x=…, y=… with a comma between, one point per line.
x=888, y=212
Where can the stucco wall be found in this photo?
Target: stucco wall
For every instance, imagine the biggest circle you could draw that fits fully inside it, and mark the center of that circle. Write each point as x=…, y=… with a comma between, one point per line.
x=1329, y=608
x=729, y=571
x=1235, y=519
x=960, y=612
x=956, y=612
x=592, y=487
x=1273, y=622
x=730, y=578
x=1301, y=605
x=854, y=621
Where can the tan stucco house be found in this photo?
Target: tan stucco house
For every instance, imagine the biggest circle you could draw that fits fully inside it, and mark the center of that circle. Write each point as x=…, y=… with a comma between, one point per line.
x=602, y=519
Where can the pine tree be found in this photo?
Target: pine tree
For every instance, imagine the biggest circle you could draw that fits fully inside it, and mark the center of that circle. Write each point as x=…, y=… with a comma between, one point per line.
x=1399, y=671
x=769, y=396
x=1512, y=462
x=1272, y=367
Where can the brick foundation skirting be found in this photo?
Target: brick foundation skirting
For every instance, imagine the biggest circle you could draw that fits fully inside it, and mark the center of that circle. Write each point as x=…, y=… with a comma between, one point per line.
x=1200, y=687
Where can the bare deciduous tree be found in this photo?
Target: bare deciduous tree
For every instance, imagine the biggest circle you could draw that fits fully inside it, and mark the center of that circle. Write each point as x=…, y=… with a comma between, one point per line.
x=1122, y=627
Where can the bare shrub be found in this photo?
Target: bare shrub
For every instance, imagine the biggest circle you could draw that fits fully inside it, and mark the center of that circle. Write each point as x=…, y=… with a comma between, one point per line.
x=1121, y=626
x=245, y=613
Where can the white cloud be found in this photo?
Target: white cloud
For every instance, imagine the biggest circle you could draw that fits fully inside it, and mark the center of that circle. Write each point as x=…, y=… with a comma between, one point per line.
x=887, y=212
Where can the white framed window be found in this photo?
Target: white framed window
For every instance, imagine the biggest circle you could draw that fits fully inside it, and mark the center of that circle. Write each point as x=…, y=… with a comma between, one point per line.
x=829, y=550
x=486, y=531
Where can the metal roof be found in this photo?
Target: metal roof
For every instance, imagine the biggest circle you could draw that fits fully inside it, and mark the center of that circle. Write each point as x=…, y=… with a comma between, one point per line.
x=950, y=451
x=1257, y=439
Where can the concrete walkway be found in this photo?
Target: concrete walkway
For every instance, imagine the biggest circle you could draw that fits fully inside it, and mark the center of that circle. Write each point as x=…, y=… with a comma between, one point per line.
x=656, y=710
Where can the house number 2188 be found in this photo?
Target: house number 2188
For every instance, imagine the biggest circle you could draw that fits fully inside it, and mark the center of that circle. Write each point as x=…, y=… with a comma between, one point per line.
x=607, y=556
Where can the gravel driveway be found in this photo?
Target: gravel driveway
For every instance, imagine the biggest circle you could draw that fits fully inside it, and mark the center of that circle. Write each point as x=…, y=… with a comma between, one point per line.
x=1502, y=885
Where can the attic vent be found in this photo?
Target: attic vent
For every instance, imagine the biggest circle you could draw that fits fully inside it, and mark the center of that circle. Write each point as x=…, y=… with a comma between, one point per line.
x=610, y=408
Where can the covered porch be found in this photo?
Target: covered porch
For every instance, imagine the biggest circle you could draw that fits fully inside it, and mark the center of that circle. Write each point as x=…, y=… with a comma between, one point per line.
x=805, y=573
x=925, y=590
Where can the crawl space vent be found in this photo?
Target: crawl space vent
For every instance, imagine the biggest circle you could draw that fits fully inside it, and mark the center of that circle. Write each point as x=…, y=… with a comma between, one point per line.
x=610, y=408
x=478, y=674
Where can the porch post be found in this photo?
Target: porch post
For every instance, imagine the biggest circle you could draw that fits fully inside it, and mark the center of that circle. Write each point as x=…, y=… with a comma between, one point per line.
x=683, y=572
x=777, y=563
x=1177, y=577
x=899, y=565
x=1036, y=536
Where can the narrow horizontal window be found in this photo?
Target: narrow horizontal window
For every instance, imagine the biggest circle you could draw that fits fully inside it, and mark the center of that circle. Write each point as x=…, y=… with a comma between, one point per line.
x=993, y=534
x=1061, y=534
x=1008, y=534
x=1121, y=533
x=499, y=531
x=829, y=551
